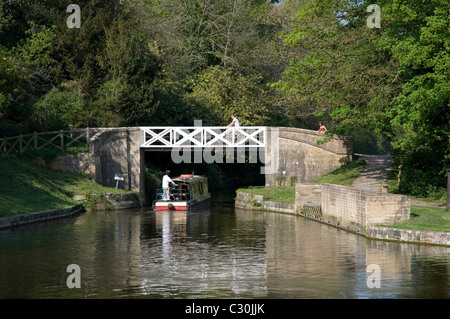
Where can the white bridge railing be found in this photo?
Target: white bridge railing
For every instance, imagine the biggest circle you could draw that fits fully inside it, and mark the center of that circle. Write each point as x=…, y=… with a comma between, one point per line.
x=203, y=137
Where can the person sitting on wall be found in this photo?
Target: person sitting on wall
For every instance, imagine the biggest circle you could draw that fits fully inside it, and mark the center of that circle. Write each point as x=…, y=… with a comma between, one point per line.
x=165, y=185
x=322, y=128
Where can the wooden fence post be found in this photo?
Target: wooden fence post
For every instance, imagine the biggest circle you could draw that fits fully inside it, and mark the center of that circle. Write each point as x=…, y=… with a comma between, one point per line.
x=61, y=134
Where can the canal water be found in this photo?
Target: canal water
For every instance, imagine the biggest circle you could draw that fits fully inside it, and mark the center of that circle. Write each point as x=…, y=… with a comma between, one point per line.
x=221, y=252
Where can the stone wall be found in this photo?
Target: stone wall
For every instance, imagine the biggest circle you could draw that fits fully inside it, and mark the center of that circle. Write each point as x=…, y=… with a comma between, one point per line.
x=353, y=210
x=78, y=163
x=350, y=208
x=296, y=156
x=112, y=152
x=117, y=152
x=409, y=235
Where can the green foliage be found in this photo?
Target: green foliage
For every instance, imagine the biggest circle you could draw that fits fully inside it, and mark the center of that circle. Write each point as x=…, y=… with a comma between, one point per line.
x=58, y=110
x=153, y=178
x=155, y=62
x=392, y=82
x=223, y=93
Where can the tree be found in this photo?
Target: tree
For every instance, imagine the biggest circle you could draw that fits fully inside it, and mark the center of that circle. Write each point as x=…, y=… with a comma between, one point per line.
x=392, y=81
x=417, y=36
x=26, y=67
x=222, y=93
x=337, y=72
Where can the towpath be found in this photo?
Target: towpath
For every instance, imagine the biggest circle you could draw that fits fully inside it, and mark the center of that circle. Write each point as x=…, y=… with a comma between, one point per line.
x=376, y=173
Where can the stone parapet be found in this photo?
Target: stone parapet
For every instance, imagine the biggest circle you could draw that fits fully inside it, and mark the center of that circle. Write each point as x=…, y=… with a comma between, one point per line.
x=340, y=145
x=352, y=208
x=298, y=156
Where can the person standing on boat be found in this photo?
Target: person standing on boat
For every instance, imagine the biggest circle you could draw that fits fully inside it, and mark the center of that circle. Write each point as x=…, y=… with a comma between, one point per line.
x=166, y=180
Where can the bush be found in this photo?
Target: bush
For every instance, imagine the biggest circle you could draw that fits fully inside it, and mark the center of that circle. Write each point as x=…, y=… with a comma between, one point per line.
x=421, y=183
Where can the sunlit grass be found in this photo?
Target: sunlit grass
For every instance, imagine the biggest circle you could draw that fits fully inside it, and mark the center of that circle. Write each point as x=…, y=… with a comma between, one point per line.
x=344, y=175
x=426, y=218
x=26, y=187
x=274, y=194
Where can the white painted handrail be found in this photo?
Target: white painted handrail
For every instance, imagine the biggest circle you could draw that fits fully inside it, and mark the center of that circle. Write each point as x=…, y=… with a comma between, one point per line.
x=203, y=136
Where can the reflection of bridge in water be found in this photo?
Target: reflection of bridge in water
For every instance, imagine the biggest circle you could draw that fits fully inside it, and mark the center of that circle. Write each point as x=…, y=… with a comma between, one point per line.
x=290, y=155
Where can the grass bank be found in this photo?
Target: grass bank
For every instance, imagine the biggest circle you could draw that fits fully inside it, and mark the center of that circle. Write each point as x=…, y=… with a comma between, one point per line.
x=285, y=194
x=426, y=218
x=26, y=188
x=344, y=175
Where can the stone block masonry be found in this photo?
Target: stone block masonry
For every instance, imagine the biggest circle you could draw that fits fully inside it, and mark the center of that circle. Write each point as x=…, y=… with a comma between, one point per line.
x=352, y=208
x=77, y=163
x=117, y=152
x=299, y=157
x=113, y=151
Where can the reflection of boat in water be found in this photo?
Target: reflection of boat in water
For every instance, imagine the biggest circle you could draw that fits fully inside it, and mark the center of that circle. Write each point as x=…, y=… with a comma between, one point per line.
x=190, y=193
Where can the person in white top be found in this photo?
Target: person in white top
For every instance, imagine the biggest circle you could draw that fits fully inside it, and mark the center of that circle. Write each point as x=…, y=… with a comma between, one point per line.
x=234, y=121
x=166, y=180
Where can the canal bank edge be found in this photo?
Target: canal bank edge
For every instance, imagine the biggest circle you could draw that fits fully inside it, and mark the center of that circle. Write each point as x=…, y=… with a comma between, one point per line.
x=90, y=203
x=14, y=221
x=258, y=203
x=111, y=201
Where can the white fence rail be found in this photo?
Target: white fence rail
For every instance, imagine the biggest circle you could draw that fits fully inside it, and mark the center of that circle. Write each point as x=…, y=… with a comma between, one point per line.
x=203, y=136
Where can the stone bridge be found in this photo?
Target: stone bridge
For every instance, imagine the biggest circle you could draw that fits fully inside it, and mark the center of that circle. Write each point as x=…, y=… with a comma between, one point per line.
x=299, y=155
x=287, y=155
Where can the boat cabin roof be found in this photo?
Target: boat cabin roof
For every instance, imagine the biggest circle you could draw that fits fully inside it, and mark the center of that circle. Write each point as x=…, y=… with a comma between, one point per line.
x=189, y=178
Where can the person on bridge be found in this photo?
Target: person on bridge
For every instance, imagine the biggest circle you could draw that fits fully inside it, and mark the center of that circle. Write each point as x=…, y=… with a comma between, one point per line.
x=165, y=184
x=235, y=122
x=322, y=128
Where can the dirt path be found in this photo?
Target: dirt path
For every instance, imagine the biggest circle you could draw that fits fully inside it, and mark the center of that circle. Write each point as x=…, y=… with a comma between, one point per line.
x=376, y=173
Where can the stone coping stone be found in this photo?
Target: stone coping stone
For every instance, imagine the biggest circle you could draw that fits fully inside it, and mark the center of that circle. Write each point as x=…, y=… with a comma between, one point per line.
x=409, y=235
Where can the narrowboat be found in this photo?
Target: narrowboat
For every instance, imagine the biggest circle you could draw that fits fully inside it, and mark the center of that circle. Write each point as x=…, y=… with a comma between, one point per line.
x=190, y=193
